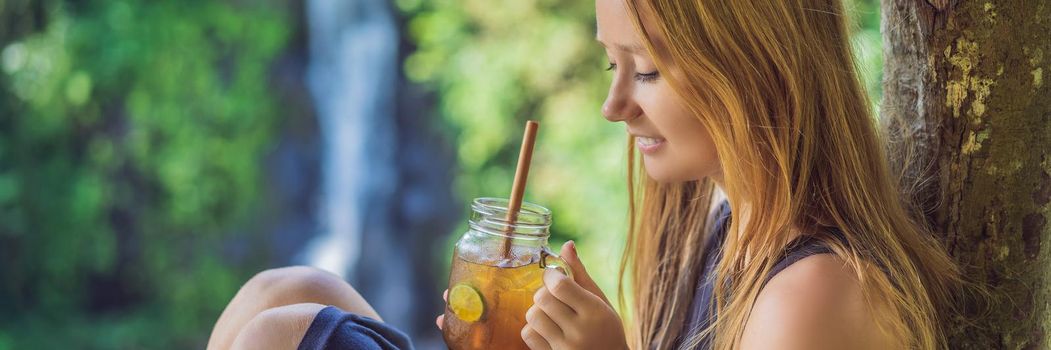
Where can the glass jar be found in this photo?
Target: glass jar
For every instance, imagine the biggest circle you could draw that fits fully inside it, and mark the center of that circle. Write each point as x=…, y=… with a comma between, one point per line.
x=497, y=267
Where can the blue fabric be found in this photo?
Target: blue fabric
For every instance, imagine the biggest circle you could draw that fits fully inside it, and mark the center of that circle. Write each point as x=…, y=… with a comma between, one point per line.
x=335, y=329
x=699, y=317
x=701, y=313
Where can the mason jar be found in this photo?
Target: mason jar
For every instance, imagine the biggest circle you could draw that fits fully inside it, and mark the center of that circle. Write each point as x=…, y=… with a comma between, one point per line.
x=497, y=266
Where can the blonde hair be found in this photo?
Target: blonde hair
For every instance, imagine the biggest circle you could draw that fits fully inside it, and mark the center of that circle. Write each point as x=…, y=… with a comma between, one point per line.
x=774, y=82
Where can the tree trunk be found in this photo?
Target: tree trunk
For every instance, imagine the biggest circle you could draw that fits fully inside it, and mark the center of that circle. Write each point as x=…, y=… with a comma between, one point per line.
x=968, y=116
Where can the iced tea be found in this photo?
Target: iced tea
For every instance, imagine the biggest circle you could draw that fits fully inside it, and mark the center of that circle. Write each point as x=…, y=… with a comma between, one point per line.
x=493, y=316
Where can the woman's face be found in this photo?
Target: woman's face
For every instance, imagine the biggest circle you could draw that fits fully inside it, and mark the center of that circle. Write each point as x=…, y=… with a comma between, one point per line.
x=674, y=144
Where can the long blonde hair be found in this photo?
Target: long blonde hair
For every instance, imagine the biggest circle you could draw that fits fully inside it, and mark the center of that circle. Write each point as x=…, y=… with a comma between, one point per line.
x=775, y=84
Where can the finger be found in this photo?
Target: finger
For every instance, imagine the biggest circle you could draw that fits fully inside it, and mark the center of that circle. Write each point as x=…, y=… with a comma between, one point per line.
x=580, y=273
x=554, y=308
x=543, y=324
x=569, y=253
x=533, y=339
x=440, y=321
x=568, y=291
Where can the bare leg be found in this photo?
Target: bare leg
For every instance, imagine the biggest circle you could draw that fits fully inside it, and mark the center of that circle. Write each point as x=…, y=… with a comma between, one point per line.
x=279, y=328
x=264, y=301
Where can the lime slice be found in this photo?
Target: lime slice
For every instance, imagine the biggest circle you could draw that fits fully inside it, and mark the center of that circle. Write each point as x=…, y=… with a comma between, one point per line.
x=466, y=303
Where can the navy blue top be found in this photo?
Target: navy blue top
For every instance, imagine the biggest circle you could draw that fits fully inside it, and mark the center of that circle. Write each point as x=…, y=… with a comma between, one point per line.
x=699, y=316
x=335, y=329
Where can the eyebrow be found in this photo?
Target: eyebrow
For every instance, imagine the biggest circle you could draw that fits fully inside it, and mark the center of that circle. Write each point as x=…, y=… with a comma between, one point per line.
x=633, y=48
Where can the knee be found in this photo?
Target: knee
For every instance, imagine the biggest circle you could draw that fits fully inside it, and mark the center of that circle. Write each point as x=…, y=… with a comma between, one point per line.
x=277, y=328
x=283, y=276
x=296, y=284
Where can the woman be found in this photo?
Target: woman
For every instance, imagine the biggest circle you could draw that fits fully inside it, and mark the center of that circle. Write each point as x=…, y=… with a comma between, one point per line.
x=761, y=100
x=812, y=249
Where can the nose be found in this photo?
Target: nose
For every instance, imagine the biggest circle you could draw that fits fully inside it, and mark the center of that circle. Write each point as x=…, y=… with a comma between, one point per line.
x=620, y=105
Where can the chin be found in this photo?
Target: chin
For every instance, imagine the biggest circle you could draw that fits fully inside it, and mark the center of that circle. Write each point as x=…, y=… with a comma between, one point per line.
x=664, y=174
x=671, y=173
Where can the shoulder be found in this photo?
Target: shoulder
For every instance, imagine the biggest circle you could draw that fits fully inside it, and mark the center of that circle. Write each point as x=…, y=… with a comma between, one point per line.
x=815, y=303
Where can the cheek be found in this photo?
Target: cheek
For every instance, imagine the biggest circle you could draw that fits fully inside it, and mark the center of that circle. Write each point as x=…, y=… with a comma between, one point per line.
x=691, y=154
x=678, y=124
x=694, y=146
x=691, y=144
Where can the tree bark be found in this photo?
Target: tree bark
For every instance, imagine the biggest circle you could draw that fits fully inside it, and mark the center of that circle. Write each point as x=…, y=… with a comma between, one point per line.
x=967, y=112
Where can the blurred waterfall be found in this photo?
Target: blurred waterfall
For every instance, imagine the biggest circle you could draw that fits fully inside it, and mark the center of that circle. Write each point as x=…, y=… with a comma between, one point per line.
x=352, y=76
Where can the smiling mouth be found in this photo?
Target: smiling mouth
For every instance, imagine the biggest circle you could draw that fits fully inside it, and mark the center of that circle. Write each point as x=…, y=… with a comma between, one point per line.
x=648, y=145
x=648, y=141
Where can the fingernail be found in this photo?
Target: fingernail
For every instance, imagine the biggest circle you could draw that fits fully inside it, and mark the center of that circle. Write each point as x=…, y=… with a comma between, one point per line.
x=551, y=276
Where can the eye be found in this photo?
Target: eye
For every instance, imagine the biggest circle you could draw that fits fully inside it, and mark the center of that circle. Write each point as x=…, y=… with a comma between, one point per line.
x=647, y=77
x=640, y=77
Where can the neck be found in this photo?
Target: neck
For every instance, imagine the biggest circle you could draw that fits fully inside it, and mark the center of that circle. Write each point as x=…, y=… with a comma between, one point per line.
x=742, y=212
x=718, y=179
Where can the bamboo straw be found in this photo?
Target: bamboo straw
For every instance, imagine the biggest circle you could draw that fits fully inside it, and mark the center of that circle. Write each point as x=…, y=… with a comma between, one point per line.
x=525, y=156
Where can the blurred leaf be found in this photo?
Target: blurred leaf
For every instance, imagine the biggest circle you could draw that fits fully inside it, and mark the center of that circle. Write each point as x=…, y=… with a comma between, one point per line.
x=138, y=131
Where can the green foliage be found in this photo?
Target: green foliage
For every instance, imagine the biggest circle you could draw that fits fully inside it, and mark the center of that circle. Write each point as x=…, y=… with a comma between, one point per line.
x=496, y=64
x=868, y=46
x=132, y=135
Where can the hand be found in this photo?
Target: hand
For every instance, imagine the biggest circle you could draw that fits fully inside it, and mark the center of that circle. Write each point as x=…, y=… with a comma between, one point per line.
x=572, y=313
x=441, y=317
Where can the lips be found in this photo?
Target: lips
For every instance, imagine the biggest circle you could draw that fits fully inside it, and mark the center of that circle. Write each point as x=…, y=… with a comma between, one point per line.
x=648, y=141
x=645, y=141
x=648, y=145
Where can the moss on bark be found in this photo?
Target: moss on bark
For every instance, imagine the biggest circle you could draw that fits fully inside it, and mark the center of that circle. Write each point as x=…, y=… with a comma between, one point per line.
x=969, y=80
